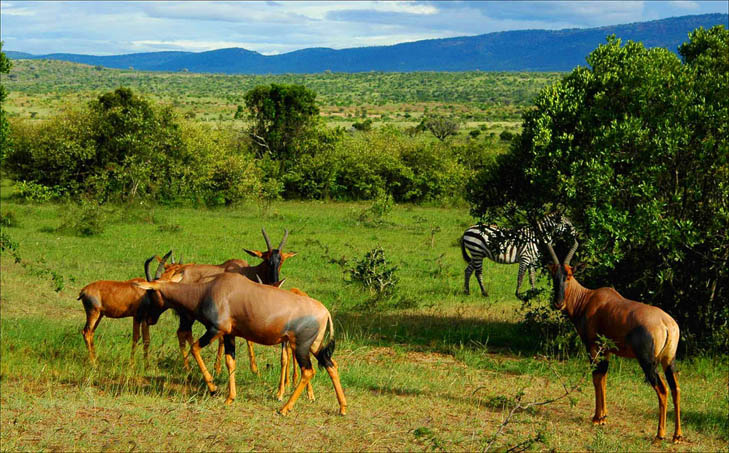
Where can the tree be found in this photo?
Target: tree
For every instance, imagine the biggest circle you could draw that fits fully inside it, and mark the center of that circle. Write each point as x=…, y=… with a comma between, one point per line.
x=280, y=115
x=5, y=141
x=440, y=126
x=634, y=149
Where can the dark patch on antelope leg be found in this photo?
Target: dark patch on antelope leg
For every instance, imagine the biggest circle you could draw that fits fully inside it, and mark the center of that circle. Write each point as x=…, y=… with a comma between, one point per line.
x=641, y=341
x=676, y=395
x=229, y=343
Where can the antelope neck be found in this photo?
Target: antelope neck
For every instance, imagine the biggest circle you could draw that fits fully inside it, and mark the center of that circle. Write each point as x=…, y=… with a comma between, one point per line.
x=575, y=297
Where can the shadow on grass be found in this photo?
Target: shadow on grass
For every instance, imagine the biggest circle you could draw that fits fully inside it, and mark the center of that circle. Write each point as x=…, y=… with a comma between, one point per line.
x=706, y=422
x=434, y=333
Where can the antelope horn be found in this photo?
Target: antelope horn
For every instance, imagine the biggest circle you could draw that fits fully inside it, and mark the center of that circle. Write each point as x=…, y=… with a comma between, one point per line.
x=571, y=253
x=259, y=279
x=281, y=245
x=265, y=236
x=161, y=266
x=179, y=261
x=551, y=252
x=146, y=268
x=172, y=257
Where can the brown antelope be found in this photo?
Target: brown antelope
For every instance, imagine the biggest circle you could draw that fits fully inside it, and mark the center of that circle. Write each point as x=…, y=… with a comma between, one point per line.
x=638, y=330
x=117, y=299
x=231, y=305
x=267, y=272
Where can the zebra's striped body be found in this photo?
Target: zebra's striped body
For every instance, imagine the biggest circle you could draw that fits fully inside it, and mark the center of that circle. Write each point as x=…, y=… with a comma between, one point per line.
x=507, y=247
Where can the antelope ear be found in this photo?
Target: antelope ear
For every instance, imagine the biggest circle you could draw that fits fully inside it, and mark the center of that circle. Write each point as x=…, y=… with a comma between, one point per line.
x=287, y=255
x=255, y=253
x=176, y=278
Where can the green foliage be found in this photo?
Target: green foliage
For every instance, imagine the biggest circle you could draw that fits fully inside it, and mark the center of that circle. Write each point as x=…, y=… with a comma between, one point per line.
x=375, y=273
x=364, y=126
x=506, y=136
x=440, y=126
x=8, y=219
x=87, y=218
x=635, y=150
x=5, y=141
x=38, y=193
x=280, y=115
x=8, y=244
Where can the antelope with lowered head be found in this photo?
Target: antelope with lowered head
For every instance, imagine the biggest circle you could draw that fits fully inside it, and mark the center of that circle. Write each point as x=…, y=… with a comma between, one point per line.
x=231, y=305
x=118, y=299
x=641, y=331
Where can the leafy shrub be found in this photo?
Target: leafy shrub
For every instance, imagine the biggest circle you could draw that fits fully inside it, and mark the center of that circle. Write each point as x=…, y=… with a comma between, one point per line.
x=38, y=193
x=8, y=219
x=375, y=213
x=375, y=273
x=88, y=218
x=8, y=244
x=506, y=136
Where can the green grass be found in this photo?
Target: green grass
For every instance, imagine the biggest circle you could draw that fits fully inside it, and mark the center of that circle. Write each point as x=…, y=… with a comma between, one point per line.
x=438, y=374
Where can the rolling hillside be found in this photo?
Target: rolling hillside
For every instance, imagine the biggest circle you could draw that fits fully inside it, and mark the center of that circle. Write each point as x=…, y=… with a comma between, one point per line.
x=523, y=50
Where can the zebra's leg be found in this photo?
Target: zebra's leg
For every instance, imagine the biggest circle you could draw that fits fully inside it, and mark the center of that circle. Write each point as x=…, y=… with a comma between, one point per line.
x=469, y=271
x=532, y=272
x=520, y=277
x=479, y=272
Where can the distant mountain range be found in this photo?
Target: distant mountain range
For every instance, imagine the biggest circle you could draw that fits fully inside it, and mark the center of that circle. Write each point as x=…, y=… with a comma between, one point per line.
x=522, y=50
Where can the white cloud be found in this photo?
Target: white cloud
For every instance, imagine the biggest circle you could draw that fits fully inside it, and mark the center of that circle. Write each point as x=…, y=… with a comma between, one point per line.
x=687, y=5
x=187, y=45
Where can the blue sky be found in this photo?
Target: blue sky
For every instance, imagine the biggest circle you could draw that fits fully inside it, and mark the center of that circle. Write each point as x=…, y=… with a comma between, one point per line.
x=107, y=28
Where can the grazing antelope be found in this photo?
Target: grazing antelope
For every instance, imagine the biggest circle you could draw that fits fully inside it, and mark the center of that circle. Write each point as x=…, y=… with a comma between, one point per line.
x=638, y=330
x=267, y=272
x=231, y=305
x=117, y=299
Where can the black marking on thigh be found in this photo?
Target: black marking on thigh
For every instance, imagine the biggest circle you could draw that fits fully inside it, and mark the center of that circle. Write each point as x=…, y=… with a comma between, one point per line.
x=229, y=344
x=641, y=341
x=305, y=330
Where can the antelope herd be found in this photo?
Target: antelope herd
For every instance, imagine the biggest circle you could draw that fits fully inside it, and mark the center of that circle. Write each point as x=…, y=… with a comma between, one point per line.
x=235, y=299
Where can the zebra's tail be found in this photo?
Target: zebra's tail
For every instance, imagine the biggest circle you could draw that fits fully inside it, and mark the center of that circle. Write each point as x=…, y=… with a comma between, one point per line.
x=463, y=251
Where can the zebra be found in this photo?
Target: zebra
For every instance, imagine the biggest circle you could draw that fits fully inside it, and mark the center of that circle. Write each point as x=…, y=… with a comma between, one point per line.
x=506, y=246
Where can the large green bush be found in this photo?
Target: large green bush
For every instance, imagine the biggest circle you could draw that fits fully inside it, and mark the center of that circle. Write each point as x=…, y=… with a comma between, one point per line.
x=635, y=149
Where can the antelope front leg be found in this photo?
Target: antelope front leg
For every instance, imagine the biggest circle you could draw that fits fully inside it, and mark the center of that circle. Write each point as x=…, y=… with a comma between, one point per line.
x=145, y=340
x=599, y=380
x=182, y=338
x=135, y=339
x=283, y=379
x=252, y=357
x=211, y=334
x=229, y=342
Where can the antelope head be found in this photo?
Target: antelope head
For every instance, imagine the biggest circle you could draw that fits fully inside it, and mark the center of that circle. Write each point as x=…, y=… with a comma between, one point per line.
x=153, y=306
x=561, y=275
x=272, y=258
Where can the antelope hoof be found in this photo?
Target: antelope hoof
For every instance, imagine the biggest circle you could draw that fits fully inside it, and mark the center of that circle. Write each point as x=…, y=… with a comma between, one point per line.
x=279, y=396
x=677, y=438
x=213, y=389
x=284, y=411
x=228, y=401
x=599, y=420
x=343, y=410
x=658, y=439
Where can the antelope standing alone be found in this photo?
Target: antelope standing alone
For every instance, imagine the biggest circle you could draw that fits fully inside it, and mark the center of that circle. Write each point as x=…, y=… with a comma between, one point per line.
x=232, y=306
x=118, y=299
x=638, y=330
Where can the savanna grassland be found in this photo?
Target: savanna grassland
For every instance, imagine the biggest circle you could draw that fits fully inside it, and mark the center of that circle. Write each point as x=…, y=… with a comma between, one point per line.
x=491, y=101
x=427, y=368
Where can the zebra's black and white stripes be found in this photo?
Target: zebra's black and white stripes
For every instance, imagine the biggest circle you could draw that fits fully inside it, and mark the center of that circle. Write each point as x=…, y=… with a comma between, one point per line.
x=508, y=247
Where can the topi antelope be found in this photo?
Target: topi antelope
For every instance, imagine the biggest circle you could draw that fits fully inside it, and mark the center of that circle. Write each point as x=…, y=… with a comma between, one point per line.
x=118, y=299
x=266, y=272
x=231, y=305
x=638, y=330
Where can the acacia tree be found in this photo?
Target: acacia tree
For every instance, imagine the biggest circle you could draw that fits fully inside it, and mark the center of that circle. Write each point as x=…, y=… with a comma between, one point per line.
x=280, y=115
x=634, y=149
x=440, y=126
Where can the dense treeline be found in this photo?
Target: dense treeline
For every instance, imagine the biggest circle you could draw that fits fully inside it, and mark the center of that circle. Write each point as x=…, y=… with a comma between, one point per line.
x=635, y=150
x=123, y=146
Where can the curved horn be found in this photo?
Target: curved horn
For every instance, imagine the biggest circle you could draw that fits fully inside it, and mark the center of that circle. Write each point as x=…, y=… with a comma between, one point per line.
x=551, y=252
x=161, y=266
x=146, y=268
x=179, y=261
x=259, y=279
x=172, y=257
x=571, y=253
x=283, y=241
x=265, y=236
